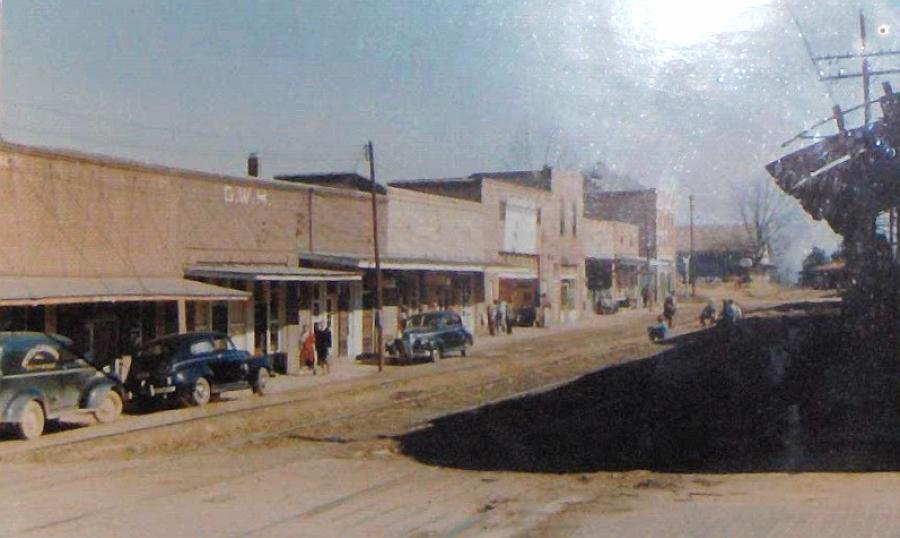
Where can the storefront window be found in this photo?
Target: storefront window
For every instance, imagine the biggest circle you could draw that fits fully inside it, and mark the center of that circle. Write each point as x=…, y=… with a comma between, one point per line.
x=567, y=299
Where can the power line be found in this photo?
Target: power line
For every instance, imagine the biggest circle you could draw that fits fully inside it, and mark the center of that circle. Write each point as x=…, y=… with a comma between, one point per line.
x=809, y=51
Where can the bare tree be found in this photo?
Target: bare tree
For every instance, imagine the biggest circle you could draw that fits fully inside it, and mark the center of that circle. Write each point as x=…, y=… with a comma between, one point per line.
x=767, y=215
x=533, y=146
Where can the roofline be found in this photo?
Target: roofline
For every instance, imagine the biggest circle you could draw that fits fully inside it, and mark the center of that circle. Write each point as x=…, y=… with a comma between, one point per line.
x=400, y=183
x=622, y=193
x=138, y=166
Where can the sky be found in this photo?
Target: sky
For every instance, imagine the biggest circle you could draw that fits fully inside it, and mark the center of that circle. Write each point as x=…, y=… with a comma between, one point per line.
x=693, y=96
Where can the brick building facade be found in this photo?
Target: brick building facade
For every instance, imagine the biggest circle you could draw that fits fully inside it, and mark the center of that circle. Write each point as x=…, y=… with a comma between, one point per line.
x=113, y=253
x=652, y=213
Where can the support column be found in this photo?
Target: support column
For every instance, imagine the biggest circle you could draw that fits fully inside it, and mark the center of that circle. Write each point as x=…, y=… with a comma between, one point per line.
x=292, y=328
x=50, y=318
x=250, y=317
x=182, y=316
x=160, y=321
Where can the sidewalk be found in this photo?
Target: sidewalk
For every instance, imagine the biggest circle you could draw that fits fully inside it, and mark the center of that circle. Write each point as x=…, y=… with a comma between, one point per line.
x=345, y=368
x=487, y=343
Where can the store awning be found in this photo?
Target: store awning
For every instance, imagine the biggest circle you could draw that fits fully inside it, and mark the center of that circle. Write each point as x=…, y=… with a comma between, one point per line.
x=395, y=264
x=269, y=273
x=509, y=272
x=632, y=261
x=28, y=291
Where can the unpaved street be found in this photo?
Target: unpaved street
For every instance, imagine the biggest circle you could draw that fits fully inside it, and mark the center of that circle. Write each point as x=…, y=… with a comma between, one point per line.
x=358, y=458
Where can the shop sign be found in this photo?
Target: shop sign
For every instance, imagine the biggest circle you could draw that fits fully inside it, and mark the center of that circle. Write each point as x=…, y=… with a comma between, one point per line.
x=245, y=195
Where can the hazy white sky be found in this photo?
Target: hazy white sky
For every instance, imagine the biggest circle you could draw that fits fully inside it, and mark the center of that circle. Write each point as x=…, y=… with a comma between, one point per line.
x=695, y=96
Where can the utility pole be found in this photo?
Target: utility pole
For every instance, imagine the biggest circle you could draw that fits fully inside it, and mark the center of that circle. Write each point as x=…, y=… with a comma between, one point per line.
x=690, y=268
x=865, y=67
x=866, y=73
x=379, y=334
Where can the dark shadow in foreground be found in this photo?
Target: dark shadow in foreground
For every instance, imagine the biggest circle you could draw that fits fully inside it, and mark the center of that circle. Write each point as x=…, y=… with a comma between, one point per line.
x=795, y=393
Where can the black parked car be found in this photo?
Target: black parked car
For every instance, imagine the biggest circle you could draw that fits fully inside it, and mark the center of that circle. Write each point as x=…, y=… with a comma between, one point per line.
x=193, y=368
x=43, y=378
x=432, y=335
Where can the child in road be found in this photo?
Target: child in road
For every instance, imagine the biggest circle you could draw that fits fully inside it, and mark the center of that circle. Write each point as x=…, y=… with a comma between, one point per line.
x=660, y=331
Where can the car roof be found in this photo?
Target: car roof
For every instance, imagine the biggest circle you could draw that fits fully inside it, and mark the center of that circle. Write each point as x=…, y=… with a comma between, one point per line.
x=183, y=338
x=7, y=335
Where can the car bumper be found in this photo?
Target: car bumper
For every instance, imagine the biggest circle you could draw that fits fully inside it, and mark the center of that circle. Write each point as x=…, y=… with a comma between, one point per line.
x=404, y=349
x=146, y=389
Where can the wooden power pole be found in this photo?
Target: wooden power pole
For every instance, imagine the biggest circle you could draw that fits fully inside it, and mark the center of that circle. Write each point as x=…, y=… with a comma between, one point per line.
x=690, y=267
x=379, y=332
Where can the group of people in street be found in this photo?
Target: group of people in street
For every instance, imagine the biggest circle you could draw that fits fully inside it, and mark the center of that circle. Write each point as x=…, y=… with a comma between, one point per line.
x=500, y=317
x=730, y=314
x=665, y=322
x=315, y=345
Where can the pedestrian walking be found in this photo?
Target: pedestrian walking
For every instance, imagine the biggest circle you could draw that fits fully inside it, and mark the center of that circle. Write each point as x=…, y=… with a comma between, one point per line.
x=323, y=345
x=669, y=309
x=498, y=317
x=645, y=296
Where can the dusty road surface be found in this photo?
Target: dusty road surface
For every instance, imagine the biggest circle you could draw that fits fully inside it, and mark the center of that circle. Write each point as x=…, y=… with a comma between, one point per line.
x=591, y=432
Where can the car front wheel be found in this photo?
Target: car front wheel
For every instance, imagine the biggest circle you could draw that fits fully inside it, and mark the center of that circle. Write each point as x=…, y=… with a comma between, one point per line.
x=31, y=423
x=110, y=408
x=201, y=393
x=260, y=382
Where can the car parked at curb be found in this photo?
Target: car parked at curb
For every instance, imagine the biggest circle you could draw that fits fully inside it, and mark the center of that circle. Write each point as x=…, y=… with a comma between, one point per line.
x=43, y=378
x=432, y=335
x=193, y=368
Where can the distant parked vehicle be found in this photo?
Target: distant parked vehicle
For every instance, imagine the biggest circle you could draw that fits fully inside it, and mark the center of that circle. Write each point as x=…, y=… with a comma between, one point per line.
x=43, y=378
x=194, y=367
x=524, y=316
x=432, y=335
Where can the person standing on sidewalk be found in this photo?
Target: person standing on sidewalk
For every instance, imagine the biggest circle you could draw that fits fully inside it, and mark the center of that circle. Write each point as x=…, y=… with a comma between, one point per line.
x=507, y=317
x=645, y=296
x=308, y=349
x=492, y=317
x=323, y=345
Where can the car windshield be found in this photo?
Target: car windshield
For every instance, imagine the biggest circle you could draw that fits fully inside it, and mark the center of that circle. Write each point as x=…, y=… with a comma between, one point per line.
x=420, y=321
x=158, y=349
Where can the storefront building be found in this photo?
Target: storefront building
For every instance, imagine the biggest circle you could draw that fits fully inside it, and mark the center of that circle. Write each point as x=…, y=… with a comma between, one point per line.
x=113, y=253
x=530, y=224
x=613, y=267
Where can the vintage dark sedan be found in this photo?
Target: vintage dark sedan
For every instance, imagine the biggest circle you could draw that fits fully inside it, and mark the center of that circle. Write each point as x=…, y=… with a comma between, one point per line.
x=432, y=335
x=194, y=367
x=43, y=378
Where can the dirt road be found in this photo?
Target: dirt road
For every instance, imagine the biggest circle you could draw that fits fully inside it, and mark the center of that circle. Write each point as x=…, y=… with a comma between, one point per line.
x=338, y=461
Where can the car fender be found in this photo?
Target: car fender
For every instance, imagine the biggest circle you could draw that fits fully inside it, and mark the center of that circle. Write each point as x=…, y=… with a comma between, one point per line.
x=14, y=407
x=93, y=394
x=470, y=340
x=262, y=361
x=186, y=377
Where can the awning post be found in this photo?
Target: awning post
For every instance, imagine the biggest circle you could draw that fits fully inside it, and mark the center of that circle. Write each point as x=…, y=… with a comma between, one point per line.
x=182, y=316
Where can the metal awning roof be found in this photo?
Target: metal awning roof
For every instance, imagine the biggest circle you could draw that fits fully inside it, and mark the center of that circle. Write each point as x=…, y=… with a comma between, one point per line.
x=268, y=272
x=394, y=264
x=27, y=291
